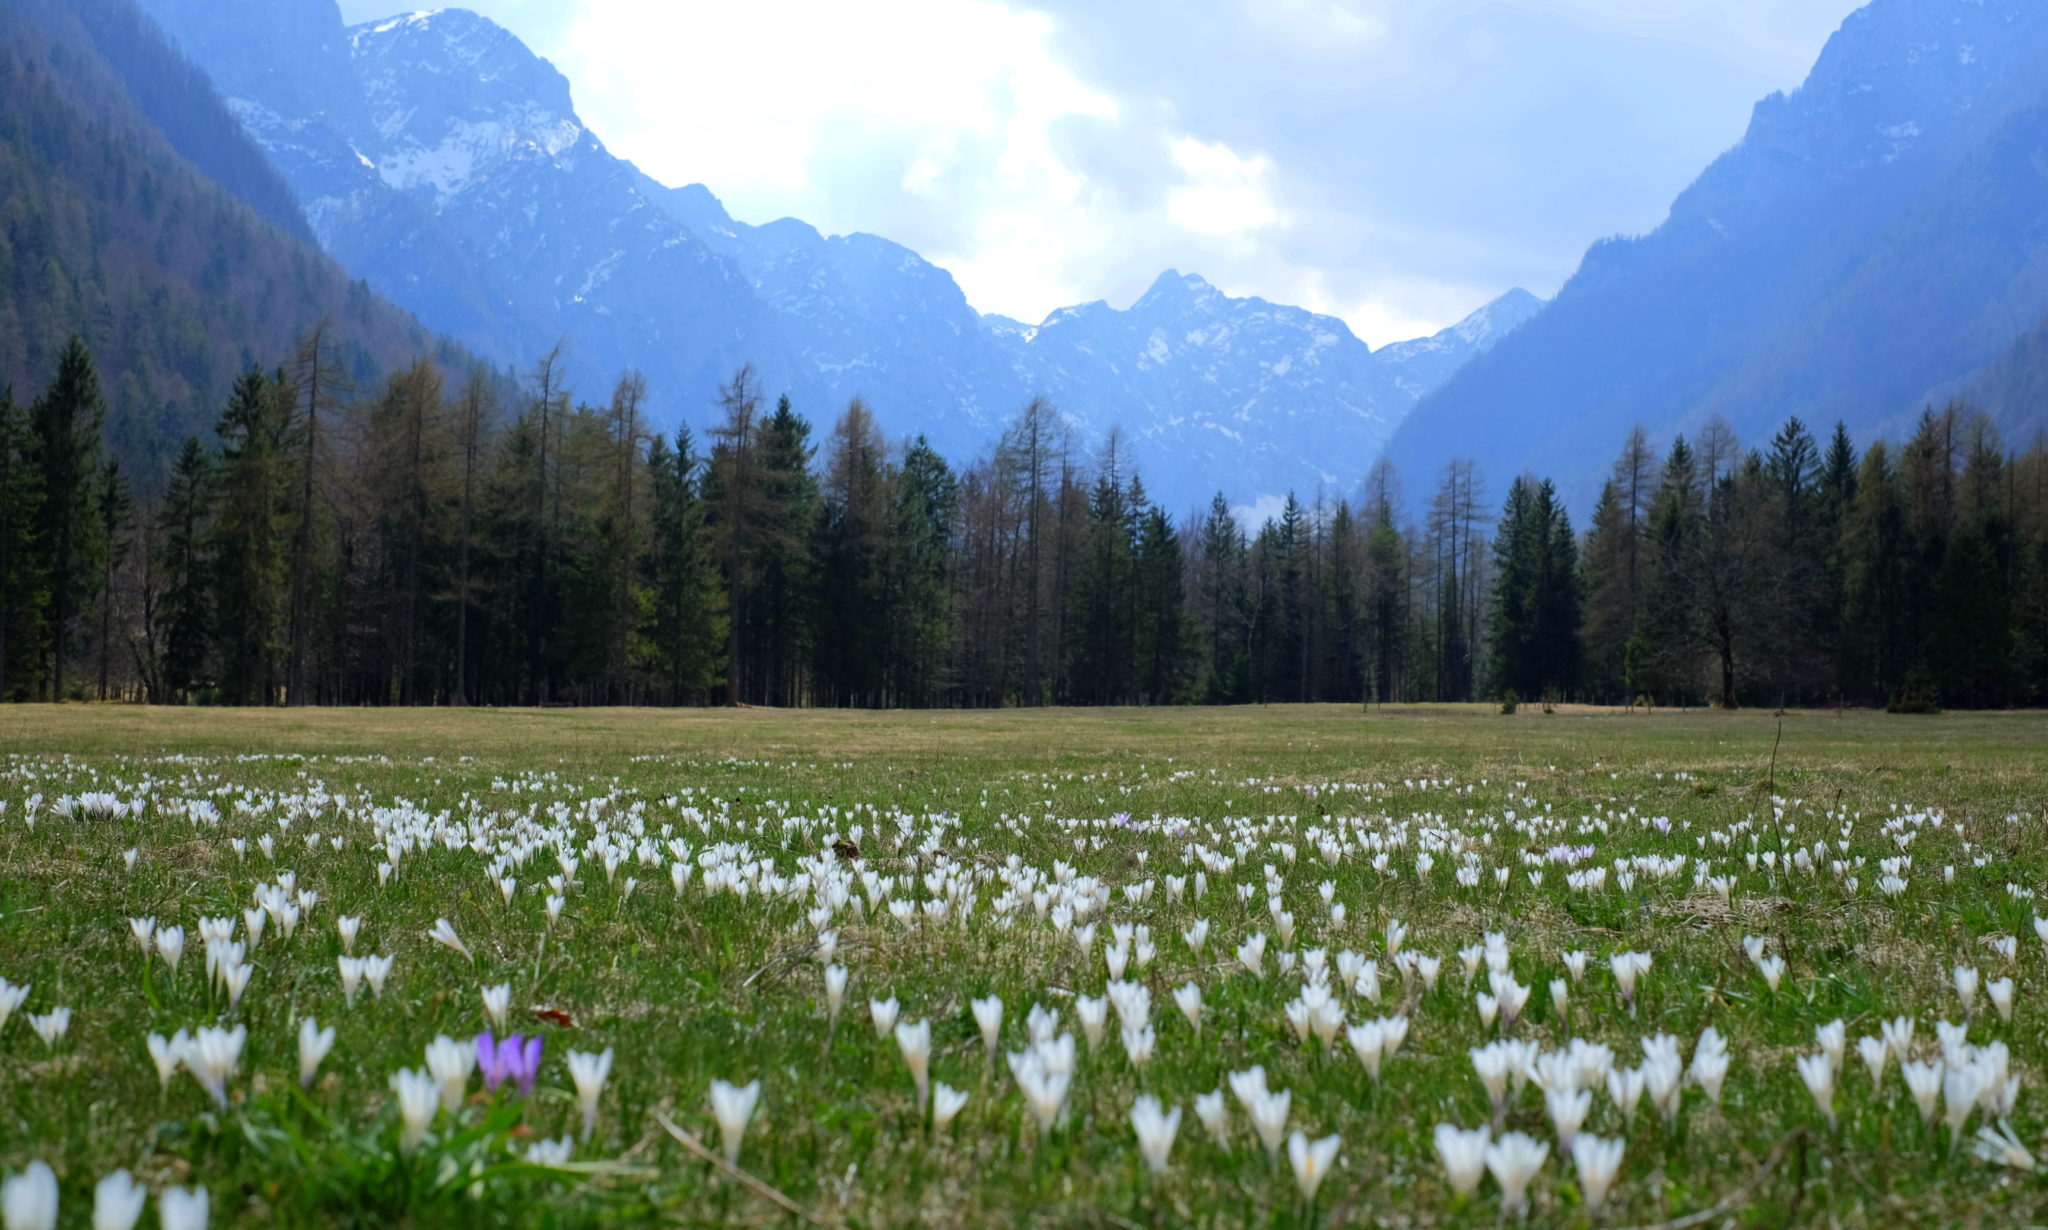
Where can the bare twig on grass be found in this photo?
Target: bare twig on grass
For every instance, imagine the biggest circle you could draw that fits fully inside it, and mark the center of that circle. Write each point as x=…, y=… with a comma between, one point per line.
x=1734, y=1199
x=690, y=1142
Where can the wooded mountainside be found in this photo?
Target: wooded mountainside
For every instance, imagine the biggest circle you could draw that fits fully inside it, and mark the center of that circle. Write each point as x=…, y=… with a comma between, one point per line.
x=128, y=219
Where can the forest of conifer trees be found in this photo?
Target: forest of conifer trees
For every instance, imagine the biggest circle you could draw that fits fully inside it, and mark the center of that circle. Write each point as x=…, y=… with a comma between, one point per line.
x=475, y=540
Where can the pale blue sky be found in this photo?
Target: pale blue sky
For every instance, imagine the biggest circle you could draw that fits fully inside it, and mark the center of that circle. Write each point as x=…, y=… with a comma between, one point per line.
x=1395, y=162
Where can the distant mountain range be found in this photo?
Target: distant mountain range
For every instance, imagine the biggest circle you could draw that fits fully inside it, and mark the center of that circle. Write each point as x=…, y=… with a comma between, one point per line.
x=1877, y=243
x=441, y=160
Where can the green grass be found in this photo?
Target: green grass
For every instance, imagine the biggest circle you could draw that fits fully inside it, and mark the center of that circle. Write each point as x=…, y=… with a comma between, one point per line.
x=712, y=985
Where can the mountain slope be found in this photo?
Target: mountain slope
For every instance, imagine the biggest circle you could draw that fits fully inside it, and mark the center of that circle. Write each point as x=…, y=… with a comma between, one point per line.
x=1213, y=392
x=1241, y=384
x=438, y=157
x=112, y=233
x=1875, y=238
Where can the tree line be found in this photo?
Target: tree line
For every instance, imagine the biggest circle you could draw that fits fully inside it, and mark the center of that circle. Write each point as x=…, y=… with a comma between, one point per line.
x=469, y=540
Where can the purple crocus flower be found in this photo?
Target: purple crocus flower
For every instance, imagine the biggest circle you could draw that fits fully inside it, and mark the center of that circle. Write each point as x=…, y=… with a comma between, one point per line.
x=515, y=1059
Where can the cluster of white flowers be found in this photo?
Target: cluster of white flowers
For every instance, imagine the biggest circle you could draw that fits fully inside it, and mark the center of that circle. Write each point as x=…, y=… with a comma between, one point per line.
x=1234, y=890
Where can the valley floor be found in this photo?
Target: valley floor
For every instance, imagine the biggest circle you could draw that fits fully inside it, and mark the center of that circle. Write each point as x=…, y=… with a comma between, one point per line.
x=1373, y=910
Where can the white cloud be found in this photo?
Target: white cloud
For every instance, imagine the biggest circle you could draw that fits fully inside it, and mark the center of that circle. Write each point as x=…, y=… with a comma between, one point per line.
x=1225, y=193
x=1319, y=27
x=952, y=126
x=813, y=107
x=1353, y=156
x=1394, y=309
x=1264, y=508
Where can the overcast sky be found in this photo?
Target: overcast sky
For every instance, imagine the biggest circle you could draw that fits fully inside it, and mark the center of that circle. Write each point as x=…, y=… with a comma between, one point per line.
x=1393, y=162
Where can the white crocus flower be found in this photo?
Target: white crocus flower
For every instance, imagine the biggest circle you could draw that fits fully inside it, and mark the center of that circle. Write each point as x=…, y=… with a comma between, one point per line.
x=444, y=933
x=1513, y=1160
x=117, y=1202
x=589, y=1071
x=914, y=1039
x=1311, y=1161
x=946, y=1105
x=28, y=1201
x=314, y=1043
x=418, y=1094
x=732, y=1105
x=1599, y=1165
x=1463, y=1155
x=1156, y=1128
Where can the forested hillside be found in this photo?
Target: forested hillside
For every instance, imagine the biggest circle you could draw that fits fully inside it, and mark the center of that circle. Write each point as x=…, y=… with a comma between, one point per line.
x=112, y=231
x=1873, y=242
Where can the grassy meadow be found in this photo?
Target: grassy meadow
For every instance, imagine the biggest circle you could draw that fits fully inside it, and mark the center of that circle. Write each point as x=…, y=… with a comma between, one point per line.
x=681, y=889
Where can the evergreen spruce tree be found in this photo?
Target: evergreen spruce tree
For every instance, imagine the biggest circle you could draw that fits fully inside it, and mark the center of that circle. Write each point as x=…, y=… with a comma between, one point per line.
x=249, y=545
x=855, y=600
x=1161, y=602
x=184, y=523
x=1669, y=628
x=1834, y=505
x=1512, y=656
x=1223, y=605
x=782, y=567
x=685, y=631
x=23, y=595
x=1343, y=665
x=1387, y=585
x=923, y=610
x=67, y=452
x=113, y=506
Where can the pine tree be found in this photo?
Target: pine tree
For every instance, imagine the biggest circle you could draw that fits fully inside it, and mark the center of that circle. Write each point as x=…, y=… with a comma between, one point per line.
x=475, y=417
x=407, y=463
x=1560, y=608
x=1971, y=645
x=1533, y=646
x=317, y=386
x=1876, y=649
x=1223, y=601
x=248, y=563
x=1160, y=598
x=66, y=446
x=1030, y=460
x=685, y=632
x=1455, y=581
x=734, y=495
x=854, y=599
x=1343, y=662
x=1835, y=504
x=1666, y=642
x=1292, y=545
x=621, y=532
x=23, y=595
x=1387, y=585
x=1615, y=572
x=1609, y=617
x=923, y=605
x=1102, y=589
x=1787, y=614
x=184, y=523
x=783, y=614
x=1512, y=664
x=540, y=581
x=113, y=507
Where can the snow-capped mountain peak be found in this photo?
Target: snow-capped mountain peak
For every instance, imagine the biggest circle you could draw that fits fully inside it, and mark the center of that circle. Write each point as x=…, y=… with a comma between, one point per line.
x=452, y=95
x=444, y=162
